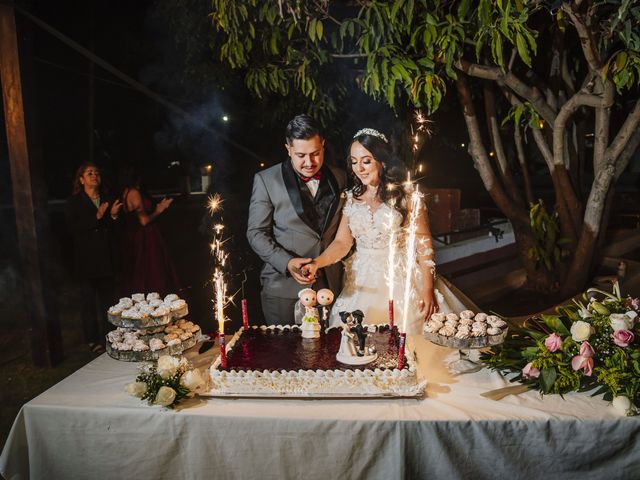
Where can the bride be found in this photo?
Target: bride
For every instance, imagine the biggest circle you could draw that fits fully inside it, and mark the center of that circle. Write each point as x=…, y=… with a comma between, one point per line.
x=376, y=213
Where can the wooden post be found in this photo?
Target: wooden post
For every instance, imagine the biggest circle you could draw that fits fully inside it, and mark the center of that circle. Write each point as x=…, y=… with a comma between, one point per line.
x=29, y=204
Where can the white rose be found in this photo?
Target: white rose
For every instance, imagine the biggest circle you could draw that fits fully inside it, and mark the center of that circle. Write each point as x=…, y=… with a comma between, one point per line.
x=192, y=380
x=631, y=314
x=620, y=321
x=581, y=331
x=165, y=396
x=136, y=389
x=167, y=366
x=621, y=404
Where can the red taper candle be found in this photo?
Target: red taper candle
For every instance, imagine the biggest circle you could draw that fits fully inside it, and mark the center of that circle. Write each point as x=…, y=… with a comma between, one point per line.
x=245, y=314
x=223, y=352
x=391, y=314
x=403, y=340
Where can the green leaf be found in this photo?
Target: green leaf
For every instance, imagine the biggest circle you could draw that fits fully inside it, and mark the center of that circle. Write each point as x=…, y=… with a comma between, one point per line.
x=463, y=9
x=319, y=29
x=523, y=49
x=396, y=7
x=548, y=377
x=312, y=29
x=555, y=324
x=391, y=93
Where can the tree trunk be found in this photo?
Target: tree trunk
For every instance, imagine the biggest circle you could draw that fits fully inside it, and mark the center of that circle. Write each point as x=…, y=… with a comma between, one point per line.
x=580, y=269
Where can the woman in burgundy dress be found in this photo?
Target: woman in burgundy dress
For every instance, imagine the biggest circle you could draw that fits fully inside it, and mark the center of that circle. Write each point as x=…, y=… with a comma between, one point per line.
x=146, y=266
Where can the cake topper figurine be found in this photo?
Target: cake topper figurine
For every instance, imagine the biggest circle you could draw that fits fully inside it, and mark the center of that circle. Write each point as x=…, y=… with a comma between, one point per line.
x=352, y=327
x=359, y=330
x=325, y=298
x=310, y=321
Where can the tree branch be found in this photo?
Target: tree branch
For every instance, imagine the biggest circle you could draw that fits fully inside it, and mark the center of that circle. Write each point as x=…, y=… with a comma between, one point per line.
x=628, y=151
x=494, y=131
x=481, y=160
x=628, y=128
x=509, y=79
x=589, y=47
x=580, y=99
x=349, y=55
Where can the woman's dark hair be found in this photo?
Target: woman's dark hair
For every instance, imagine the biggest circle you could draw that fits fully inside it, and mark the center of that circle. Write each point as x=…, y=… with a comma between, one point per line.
x=302, y=127
x=77, y=185
x=129, y=177
x=390, y=190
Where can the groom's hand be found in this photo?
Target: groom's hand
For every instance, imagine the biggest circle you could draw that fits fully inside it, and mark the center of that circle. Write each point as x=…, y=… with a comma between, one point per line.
x=295, y=269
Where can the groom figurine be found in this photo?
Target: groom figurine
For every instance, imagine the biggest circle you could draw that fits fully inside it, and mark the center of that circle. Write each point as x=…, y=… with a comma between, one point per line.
x=294, y=214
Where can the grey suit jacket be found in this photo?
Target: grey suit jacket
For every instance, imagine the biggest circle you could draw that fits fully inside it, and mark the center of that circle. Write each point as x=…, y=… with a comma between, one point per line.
x=279, y=229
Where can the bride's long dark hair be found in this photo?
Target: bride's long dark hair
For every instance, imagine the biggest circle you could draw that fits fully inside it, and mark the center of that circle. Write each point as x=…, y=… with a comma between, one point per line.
x=390, y=189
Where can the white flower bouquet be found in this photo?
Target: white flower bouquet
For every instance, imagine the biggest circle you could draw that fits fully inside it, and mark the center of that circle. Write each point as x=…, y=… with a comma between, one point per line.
x=167, y=382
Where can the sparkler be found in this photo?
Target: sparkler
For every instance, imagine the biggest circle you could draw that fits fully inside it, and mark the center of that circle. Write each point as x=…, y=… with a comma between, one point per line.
x=409, y=266
x=219, y=284
x=392, y=264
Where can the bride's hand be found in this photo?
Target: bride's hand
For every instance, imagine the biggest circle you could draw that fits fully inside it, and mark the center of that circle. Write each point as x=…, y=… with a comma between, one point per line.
x=310, y=270
x=296, y=267
x=428, y=304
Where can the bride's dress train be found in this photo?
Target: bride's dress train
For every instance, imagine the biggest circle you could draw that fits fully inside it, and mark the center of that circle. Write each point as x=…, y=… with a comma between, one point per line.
x=366, y=284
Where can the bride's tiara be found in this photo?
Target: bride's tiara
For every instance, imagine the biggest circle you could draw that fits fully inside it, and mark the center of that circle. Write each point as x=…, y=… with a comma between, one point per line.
x=372, y=132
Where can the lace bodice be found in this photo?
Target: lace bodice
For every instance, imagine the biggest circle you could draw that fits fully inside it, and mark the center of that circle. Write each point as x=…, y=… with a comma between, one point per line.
x=372, y=229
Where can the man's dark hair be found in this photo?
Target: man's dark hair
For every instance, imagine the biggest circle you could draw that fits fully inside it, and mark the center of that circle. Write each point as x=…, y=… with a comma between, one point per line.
x=302, y=127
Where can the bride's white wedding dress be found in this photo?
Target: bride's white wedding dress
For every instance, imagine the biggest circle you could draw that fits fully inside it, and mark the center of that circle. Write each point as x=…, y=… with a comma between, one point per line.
x=366, y=271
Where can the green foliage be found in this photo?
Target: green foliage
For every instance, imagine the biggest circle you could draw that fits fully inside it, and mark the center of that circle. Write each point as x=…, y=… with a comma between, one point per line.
x=402, y=52
x=547, y=251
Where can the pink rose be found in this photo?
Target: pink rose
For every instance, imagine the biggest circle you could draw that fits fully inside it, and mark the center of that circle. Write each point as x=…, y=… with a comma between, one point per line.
x=553, y=342
x=529, y=371
x=622, y=338
x=586, y=350
x=585, y=364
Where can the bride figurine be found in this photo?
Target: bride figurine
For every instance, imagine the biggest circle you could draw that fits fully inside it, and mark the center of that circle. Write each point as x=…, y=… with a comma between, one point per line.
x=376, y=213
x=310, y=322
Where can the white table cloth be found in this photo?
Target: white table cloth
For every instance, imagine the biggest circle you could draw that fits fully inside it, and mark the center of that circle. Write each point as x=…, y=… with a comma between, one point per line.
x=86, y=426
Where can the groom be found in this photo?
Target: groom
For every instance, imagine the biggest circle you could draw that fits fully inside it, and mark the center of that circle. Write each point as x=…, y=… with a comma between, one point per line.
x=294, y=214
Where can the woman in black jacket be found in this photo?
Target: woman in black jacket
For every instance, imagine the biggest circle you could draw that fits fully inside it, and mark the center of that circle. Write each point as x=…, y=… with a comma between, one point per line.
x=90, y=217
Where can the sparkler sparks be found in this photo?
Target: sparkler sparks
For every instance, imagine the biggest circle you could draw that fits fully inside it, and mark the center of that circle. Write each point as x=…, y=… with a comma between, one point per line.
x=421, y=129
x=219, y=284
x=214, y=203
x=412, y=230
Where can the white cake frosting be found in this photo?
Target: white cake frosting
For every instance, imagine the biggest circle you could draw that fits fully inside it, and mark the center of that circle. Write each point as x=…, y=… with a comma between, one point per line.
x=301, y=383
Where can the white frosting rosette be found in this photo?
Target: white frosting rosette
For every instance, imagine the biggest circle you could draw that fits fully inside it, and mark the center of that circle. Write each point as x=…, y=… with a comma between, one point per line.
x=452, y=317
x=480, y=317
x=467, y=314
